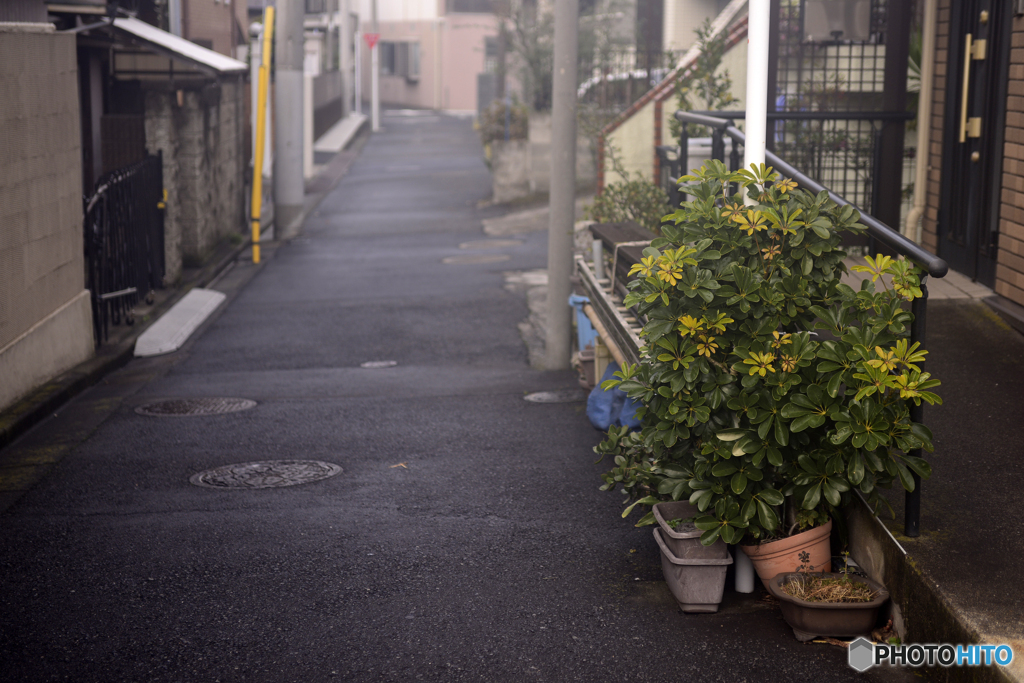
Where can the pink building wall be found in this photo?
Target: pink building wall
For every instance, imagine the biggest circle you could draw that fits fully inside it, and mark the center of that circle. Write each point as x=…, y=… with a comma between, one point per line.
x=451, y=56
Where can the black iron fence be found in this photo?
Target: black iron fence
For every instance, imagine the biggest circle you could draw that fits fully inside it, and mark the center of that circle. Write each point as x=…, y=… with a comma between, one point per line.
x=841, y=150
x=124, y=242
x=878, y=232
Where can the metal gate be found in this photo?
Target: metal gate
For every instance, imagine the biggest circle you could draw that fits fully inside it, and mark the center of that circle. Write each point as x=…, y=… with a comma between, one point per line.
x=124, y=242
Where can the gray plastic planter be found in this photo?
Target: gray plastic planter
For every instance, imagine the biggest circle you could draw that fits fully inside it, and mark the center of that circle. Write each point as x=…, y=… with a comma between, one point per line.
x=684, y=540
x=696, y=583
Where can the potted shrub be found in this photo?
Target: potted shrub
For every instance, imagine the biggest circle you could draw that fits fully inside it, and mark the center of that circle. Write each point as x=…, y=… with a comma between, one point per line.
x=770, y=390
x=839, y=605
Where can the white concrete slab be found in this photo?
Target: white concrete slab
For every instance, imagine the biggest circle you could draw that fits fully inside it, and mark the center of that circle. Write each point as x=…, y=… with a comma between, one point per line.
x=176, y=325
x=339, y=135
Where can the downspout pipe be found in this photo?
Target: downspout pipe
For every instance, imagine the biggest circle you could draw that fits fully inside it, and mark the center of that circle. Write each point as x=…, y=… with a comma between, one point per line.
x=913, y=228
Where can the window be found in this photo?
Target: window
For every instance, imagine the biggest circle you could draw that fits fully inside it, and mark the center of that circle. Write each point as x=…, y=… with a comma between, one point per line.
x=470, y=6
x=491, y=54
x=400, y=59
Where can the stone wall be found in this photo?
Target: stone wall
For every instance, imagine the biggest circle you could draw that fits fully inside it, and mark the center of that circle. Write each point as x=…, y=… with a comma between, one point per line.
x=203, y=145
x=520, y=168
x=45, y=316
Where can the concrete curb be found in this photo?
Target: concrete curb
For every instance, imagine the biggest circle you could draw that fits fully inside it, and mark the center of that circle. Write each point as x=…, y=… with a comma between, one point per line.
x=922, y=613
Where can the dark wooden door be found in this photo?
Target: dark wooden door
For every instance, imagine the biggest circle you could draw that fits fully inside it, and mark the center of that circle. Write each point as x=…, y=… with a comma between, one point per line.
x=975, y=117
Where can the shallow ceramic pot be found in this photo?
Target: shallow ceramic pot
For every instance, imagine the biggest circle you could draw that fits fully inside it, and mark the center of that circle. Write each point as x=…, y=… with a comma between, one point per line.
x=837, y=619
x=781, y=556
x=684, y=540
x=696, y=583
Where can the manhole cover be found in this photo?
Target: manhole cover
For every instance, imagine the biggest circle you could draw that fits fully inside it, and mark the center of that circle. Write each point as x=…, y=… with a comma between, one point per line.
x=187, y=407
x=490, y=244
x=465, y=259
x=371, y=364
x=560, y=396
x=266, y=474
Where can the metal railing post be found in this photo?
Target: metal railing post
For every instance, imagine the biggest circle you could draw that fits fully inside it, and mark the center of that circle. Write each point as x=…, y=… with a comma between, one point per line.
x=734, y=156
x=912, y=504
x=717, y=145
x=684, y=157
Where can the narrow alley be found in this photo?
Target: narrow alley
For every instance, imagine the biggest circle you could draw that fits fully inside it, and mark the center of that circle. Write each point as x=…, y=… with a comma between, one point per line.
x=465, y=538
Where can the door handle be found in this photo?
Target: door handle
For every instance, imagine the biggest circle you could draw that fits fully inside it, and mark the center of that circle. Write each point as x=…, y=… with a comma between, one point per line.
x=973, y=49
x=967, y=82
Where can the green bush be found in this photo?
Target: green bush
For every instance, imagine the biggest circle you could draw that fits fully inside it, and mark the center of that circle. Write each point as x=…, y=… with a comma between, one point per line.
x=637, y=200
x=766, y=426
x=492, y=121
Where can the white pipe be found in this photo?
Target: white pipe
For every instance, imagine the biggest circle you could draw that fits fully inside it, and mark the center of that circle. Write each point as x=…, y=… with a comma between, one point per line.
x=174, y=16
x=375, y=86
x=758, y=28
x=744, y=582
x=358, y=73
x=375, y=73
x=912, y=228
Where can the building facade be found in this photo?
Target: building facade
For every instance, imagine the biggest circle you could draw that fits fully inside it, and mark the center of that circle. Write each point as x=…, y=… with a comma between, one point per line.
x=974, y=217
x=431, y=52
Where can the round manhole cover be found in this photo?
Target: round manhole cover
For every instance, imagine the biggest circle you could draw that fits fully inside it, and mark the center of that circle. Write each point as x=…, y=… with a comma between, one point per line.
x=466, y=259
x=188, y=407
x=373, y=364
x=490, y=244
x=560, y=396
x=265, y=474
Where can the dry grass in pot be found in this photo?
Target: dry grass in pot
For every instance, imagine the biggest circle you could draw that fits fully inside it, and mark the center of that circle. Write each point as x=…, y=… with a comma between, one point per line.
x=828, y=589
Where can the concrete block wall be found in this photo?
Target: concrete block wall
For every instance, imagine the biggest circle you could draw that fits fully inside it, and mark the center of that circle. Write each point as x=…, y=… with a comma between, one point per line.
x=203, y=145
x=45, y=315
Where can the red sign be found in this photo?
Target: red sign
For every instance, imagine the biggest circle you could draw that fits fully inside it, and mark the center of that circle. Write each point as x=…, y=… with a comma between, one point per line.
x=371, y=39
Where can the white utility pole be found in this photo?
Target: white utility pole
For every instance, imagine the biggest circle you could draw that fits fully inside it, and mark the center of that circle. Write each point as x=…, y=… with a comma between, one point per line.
x=289, y=55
x=375, y=73
x=758, y=29
x=756, y=130
x=358, y=73
x=563, y=185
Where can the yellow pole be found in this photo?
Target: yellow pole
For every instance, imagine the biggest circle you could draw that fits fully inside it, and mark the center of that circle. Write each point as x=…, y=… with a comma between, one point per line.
x=261, y=131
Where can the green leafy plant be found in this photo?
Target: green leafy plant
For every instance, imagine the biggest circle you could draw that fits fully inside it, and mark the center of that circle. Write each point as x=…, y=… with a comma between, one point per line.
x=494, y=117
x=632, y=199
x=704, y=85
x=770, y=390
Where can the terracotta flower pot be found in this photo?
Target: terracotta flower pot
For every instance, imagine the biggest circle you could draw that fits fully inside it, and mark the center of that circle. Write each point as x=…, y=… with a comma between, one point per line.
x=837, y=619
x=684, y=540
x=783, y=555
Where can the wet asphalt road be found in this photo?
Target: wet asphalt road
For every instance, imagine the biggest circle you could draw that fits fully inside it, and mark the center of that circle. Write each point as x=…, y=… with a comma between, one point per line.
x=465, y=540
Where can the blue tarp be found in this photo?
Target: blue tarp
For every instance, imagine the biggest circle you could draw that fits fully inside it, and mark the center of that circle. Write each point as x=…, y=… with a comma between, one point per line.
x=612, y=407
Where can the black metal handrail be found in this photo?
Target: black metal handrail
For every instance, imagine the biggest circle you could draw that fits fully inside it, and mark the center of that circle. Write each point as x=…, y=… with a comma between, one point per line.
x=932, y=264
x=856, y=115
